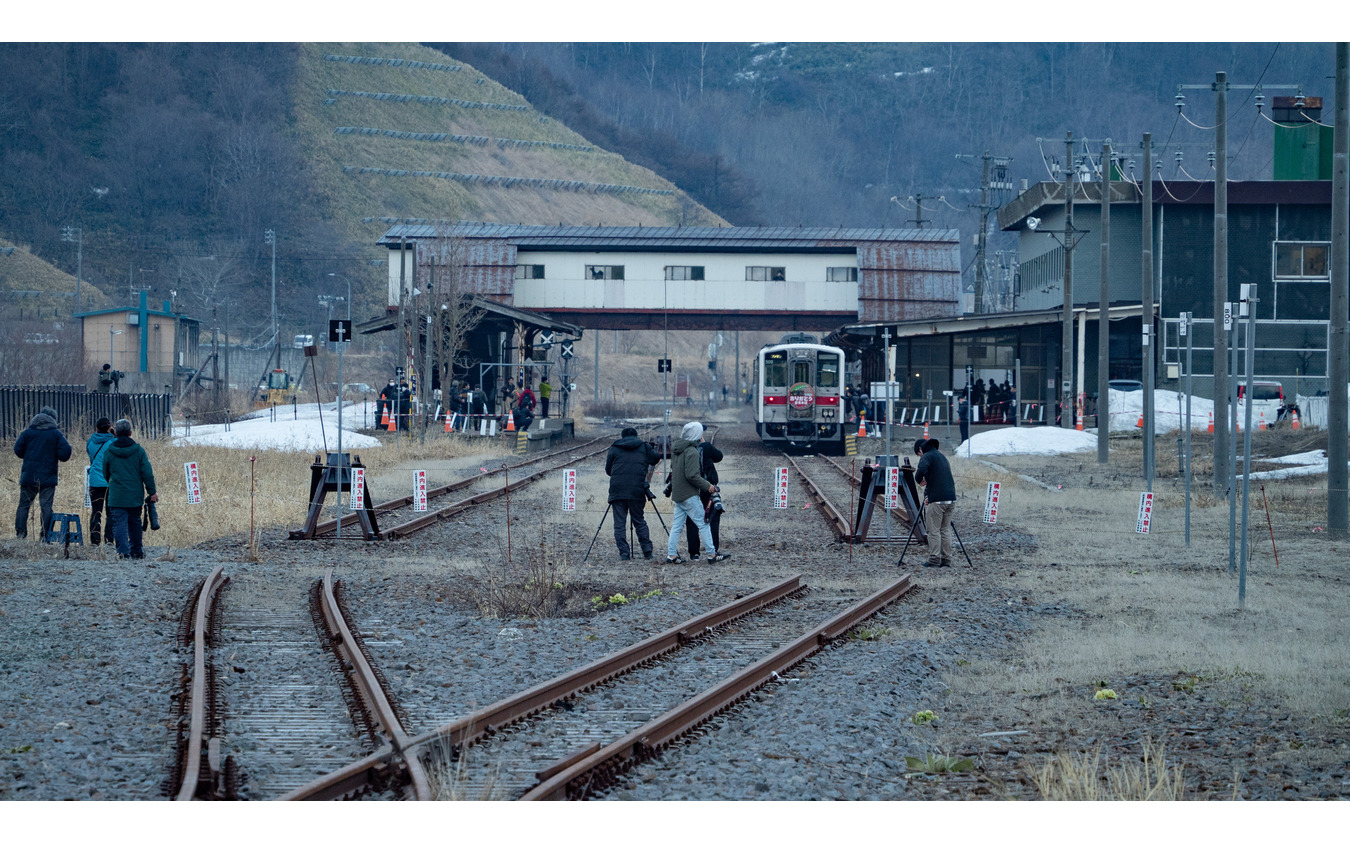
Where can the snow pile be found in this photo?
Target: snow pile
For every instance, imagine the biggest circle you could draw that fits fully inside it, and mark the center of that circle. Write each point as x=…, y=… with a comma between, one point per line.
x=1127, y=408
x=1035, y=440
x=1306, y=463
x=295, y=429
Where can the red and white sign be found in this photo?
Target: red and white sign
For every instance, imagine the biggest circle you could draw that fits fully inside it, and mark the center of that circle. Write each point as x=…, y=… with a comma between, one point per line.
x=358, y=488
x=801, y=397
x=569, y=499
x=780, y=488
x=194, y=483
x=892, y=487
x=419, y=490
x=1145, y=512
x=991, y=503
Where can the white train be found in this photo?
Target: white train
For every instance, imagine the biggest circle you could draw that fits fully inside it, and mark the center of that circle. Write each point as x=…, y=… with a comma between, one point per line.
x=799, y=387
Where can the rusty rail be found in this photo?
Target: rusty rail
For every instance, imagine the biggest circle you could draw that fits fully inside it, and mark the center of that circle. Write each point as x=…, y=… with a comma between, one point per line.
x=351, y=519
x=201, y=694
x=601, y=769
x=370, y=692
x=839, y=523
x=464, y=731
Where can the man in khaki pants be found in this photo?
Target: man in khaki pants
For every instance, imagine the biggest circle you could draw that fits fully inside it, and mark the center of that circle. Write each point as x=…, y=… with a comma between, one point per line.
x=934, y=474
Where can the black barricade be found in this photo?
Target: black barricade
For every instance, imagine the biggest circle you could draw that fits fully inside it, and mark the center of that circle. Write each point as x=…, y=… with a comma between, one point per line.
x=77, y=409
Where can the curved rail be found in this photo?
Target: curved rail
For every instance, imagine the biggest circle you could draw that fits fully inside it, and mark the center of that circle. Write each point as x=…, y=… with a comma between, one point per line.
x=464, y=731
x=600, y=769
x=369, y=690
x=201, y=694
x=839, y=522
x=352, y=519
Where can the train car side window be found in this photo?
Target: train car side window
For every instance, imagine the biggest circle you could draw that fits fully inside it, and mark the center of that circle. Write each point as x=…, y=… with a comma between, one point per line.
x=827, y=371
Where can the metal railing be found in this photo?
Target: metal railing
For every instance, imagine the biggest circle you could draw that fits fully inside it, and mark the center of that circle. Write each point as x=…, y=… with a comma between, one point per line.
x=77, y=409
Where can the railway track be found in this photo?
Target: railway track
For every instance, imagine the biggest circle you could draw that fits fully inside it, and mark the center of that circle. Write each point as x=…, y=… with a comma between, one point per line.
x=403, y=506
x=838, y=504
x=198, y=770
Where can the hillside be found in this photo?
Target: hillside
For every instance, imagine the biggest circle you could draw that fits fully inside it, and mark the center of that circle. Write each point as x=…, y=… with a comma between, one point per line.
x=32, y=290
x=399, y=130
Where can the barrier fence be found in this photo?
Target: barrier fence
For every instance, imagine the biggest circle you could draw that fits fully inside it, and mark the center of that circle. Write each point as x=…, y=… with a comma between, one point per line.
x=77, y=408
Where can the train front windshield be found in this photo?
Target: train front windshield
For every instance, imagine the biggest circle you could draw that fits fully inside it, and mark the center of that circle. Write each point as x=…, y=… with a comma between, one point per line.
x=827, y=371
x=775, y=369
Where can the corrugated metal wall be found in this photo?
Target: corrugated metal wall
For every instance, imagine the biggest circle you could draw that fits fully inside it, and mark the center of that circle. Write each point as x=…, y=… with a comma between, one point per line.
x=909, y=281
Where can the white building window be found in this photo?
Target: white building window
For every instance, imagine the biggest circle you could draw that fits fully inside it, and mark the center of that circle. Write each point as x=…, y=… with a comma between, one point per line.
x=1304, y=261
x=684, y=274
x=613, y=272
x=841, y=273
x=529, y=270
x=766, y=273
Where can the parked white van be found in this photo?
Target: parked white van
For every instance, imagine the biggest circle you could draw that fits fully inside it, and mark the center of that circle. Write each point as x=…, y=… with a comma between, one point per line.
x=1267, y=402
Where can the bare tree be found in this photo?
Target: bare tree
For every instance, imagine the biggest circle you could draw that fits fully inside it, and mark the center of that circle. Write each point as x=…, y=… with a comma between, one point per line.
x=206, y=280
x=453, y=314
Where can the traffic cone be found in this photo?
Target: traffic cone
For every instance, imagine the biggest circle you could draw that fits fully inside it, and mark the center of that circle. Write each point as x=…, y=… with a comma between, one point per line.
x=510, y=422
x=1295, y=420
x=1261, y=423
x=862, y=424
x=1211, y=422
x=449, y=426
x=391, y=422
x=1139, y=424
x=384, y=417
x=925, y=430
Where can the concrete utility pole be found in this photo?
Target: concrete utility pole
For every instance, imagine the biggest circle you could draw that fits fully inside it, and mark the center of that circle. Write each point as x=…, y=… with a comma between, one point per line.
x=1103, y=319
x=1338, y=364
x=1146, y=317
x=1066, y=403
x=271, y=237
x=1221, y=409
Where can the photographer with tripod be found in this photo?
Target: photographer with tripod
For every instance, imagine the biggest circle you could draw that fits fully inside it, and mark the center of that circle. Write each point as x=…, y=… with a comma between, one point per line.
x=109, y=379
x=629, y=464
x=934, y=474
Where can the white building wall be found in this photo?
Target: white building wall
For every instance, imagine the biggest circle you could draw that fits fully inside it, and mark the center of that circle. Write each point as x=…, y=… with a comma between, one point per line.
x=724, y=287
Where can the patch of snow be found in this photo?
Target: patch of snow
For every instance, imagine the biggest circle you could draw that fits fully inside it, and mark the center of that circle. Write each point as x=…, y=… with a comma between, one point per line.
x=295, y=429
x=1029, y=440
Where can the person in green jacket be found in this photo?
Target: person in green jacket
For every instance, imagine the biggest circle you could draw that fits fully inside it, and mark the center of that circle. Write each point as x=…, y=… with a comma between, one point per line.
x=131, y=483
x=545, y=391
x=686, y=479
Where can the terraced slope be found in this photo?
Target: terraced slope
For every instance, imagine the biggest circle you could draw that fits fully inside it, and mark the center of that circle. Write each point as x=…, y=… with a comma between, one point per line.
x=400, y=130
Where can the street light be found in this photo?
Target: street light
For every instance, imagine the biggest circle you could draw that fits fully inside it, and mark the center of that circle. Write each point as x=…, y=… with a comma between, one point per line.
x=349, y=294
x=111, y=332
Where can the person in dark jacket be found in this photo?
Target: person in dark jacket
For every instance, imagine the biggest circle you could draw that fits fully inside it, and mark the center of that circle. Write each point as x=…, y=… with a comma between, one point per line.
x=709, y=456
x=629, y=465
x=934, y=474
x=686, y=482
x=388, y=396
x=42, y=446
x=97, y=447
x=131, y=484
x=404, y=405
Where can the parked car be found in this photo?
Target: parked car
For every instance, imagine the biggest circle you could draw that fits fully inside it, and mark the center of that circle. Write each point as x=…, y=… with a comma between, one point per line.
x=359, y=387
x=1267, y=401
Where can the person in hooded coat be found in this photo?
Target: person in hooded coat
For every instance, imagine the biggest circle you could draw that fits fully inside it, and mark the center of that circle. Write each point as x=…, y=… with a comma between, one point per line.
x=934, y=474
x=42, y=446
x=686, y=479
x=629, y=464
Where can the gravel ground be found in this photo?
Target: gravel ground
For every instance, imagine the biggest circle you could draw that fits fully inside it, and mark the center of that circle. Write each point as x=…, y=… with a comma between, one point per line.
x=89, y=662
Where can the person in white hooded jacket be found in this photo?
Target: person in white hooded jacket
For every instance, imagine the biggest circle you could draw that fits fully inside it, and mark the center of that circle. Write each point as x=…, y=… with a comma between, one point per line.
x=686, y=480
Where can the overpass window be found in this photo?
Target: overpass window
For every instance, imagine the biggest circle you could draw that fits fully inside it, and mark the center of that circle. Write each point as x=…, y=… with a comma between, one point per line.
x=529, y=270
x=1301, y=260
x=684, y=274
x=614, y=273
x=766, y=273
x=841, y=274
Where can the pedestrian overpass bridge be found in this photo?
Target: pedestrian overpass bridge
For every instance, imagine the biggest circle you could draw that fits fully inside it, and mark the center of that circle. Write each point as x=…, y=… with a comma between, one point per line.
x=687, y=278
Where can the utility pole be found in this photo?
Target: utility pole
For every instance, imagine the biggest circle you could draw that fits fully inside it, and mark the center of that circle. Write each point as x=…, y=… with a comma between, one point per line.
x=918, y=211
x=1146, y=313
x=270, y=236
x=400, y=353
x=75, y=234
x=1066, y=406
x=1338, y=366
x=1103, y=320
x=981, y=274
x=1221, y=409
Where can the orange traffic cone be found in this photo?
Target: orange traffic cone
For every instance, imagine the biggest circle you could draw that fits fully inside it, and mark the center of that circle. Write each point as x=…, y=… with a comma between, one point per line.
x=384, y=417
x=392, y=424
x=448, y=428
x=1295, y=420
x=510, y=422
x=1140, y=423
x=1261, y=423
x=1211, y=422
x=862, y=424
x=925, y=430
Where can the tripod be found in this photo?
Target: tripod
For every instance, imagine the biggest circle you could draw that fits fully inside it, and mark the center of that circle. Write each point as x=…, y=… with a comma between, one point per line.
x=608, y=507
x=915, y=526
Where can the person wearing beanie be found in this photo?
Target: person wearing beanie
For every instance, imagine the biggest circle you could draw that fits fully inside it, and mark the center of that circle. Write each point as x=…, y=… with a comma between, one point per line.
x=42, y=446
x=687, y=481
x=629, y=465
x=131, y=485
x=934, y=474
x=97, y=446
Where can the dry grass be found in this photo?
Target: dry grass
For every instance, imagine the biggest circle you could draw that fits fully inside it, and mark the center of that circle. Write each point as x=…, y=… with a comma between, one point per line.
x=1079, y=777
x=449, y=773
x=1150, y=605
